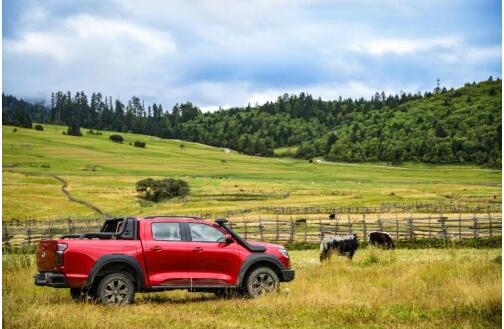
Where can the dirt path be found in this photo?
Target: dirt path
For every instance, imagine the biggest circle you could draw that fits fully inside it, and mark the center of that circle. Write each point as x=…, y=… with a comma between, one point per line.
x=64, y=185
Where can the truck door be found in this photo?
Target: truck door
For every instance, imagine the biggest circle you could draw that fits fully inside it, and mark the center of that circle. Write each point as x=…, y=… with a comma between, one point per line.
x=166, y=254
x=213, y=262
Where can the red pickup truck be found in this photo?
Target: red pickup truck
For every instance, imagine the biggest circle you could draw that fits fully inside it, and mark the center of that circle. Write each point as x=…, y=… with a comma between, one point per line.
x=160, y=253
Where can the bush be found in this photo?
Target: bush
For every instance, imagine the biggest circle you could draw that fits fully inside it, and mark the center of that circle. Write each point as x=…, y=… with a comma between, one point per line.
x=39, y=127
x=74, y=130
x=116, y=138
x=158, y=190
x=93, y=132
x=139, y=144
x=14, y=130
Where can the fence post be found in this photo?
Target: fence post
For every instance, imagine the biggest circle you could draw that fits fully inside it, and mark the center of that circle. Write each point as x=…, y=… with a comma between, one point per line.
x=475, y=227
x=321, y=235
x=380, y=225
x=397, y=226
x=305, y=229
x=349, y=225
x=490, y=225
x=443, y=219
x=69, y=220
x=261, y=229
x=28, y=233
x=460, y=226
x=411, y=228
x=292, y=230
x=277, y=231
x=430, y=229
x=365, y=229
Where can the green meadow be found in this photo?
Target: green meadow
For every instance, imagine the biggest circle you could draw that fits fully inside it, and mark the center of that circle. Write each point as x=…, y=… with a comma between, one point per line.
x=104, y=173
x=429, y=288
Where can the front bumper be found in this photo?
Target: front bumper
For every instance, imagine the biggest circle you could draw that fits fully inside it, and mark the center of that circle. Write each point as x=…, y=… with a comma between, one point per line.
x=288, y=275
x=50, y=279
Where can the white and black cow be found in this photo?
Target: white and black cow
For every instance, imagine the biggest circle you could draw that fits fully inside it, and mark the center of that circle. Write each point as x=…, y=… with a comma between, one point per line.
x=344, y=245
x=382, y=239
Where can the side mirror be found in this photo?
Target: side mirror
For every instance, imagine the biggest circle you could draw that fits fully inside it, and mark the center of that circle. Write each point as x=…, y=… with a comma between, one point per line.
x=229, y=239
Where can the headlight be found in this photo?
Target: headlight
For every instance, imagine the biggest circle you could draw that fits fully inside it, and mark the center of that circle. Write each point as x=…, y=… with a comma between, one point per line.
x=284, y=252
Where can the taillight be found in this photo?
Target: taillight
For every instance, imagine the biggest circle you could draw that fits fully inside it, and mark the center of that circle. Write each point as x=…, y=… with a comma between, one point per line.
x=60, y=250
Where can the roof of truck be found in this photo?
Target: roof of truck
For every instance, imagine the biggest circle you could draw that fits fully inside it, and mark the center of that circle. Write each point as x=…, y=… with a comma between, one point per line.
x=180, y=218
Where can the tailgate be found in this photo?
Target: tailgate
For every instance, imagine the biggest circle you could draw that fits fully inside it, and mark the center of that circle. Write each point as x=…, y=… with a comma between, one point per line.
x=47, y=259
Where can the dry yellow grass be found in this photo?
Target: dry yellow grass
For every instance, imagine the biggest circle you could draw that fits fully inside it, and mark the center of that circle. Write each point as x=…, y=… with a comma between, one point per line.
x=379, y=289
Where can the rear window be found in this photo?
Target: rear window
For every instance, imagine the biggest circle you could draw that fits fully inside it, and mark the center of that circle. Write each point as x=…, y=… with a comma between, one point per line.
x=166, y=231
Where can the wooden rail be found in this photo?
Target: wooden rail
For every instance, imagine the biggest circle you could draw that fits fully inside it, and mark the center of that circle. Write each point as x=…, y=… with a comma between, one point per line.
x=26, y=233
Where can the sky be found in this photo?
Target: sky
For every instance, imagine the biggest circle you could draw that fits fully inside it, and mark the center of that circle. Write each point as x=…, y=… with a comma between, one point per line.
x=232, y=52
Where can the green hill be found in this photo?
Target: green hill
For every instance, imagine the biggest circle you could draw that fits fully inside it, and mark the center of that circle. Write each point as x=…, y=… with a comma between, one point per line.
x=448, y=126
x=104, y=173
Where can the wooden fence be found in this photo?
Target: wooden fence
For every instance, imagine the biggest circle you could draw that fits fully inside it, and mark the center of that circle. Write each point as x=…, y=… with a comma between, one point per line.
x=417, y=207
x=26, y=233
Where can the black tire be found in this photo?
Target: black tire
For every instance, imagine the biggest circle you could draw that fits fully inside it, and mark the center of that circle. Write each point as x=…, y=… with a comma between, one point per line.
x=116, y=289
x=262, y=280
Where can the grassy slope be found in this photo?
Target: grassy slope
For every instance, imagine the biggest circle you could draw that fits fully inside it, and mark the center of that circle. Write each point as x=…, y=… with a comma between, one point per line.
x=105, y=173
x=378, y=289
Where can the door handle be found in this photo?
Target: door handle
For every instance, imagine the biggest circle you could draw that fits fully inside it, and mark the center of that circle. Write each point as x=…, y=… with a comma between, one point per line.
x=156, y=248
x=198, y=249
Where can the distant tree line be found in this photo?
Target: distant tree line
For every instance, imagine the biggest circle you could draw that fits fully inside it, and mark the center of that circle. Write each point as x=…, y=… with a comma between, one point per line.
x=442, y=126
x=17, y=112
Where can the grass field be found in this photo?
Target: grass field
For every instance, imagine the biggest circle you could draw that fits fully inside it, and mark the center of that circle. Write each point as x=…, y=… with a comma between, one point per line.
x=104, y=173
x=428, y=288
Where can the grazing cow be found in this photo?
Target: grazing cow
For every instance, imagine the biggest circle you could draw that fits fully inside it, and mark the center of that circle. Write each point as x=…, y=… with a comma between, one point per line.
x=382, y=239
x=344, y=245
x=332, y=216
x=300, y=221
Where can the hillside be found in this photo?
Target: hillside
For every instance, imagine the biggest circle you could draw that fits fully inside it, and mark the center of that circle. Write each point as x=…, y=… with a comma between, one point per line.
x=448, y=126
x=104, y=174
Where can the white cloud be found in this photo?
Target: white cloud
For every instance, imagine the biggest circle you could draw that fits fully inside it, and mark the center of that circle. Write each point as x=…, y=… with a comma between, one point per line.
x=404, y=46
x=232, y=52
x=84, y=35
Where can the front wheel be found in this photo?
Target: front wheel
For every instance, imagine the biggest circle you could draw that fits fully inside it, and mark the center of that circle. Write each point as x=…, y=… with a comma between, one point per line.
x=116, y=289
x=262, y=280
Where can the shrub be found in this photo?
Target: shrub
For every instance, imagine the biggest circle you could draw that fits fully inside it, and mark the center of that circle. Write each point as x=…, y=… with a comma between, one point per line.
x=93, y=132
x=116, y=138
x=74, y=130
x=158, y=190
x=139, y=144
x=39, y=127
x=14, y=130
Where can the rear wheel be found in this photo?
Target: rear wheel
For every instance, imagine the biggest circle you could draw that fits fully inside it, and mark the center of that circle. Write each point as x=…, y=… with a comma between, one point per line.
x=116, y=289
x=262, y=280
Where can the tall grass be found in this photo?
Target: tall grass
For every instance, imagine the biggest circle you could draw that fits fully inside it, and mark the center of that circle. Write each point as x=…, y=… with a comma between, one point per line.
x=451, y=288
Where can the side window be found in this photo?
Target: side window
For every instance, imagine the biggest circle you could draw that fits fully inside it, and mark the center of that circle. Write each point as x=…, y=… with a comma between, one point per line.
x=166, y=231
x=205, y=233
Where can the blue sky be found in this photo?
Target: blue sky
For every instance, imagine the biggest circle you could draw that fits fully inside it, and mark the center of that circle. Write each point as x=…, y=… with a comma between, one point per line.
x=229, y=53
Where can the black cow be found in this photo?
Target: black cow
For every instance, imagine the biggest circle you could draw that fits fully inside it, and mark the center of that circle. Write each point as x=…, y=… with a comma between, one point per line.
x=344, y=245
x=382, y=239
x=332, y=216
